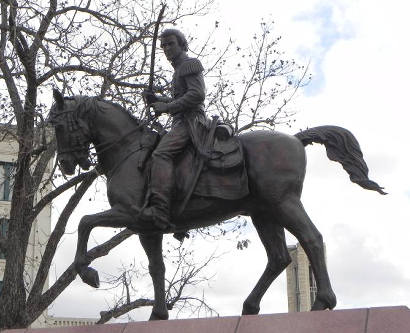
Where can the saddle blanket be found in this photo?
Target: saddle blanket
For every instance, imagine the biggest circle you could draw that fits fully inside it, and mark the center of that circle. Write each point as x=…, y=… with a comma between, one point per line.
x=223, y=176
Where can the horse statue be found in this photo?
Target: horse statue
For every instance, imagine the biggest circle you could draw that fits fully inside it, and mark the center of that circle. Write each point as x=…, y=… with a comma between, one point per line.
x=275, y=166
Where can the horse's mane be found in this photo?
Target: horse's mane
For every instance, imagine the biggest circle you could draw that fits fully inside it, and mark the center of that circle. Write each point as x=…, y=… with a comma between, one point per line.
x=85, y=105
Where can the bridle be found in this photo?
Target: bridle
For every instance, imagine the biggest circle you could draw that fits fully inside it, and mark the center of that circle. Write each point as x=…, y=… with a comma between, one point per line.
x=83, y=139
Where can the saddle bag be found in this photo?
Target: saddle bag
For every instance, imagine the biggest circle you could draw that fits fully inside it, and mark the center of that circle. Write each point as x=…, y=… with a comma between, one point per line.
x=226, y=155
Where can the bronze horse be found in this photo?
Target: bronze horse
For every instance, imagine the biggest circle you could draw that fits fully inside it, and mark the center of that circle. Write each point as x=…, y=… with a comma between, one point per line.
x=275, y=165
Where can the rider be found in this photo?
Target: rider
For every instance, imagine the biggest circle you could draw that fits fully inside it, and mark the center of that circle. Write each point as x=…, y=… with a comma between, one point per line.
x=187, y=110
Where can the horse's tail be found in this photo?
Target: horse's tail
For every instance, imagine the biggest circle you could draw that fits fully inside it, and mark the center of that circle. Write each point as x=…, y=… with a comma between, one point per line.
x=342, y=146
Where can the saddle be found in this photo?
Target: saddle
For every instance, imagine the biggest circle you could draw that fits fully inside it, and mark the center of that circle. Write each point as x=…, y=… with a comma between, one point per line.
x=223, y=175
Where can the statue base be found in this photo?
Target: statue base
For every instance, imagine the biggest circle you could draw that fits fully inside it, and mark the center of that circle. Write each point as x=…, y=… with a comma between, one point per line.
x=372, y=320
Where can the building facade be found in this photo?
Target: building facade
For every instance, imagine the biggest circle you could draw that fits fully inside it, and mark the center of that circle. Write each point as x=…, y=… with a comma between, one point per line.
x=301, y=284
x=65, y=321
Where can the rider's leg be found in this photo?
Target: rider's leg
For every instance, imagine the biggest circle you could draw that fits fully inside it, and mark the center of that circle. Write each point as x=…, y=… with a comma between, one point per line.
x=162, y=175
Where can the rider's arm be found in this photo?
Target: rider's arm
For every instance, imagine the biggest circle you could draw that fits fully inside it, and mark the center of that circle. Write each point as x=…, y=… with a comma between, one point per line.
x=150, y=97
x=164, y=99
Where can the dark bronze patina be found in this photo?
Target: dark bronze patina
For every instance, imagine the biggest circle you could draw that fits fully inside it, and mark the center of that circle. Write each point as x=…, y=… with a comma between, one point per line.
x=275, y=166
x=187, y=110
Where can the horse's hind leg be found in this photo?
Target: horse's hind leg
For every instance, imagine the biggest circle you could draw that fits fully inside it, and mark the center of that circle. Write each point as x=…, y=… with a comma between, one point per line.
x=273, y=239
x=109, y=218
x=152, y=245
x=294, y=218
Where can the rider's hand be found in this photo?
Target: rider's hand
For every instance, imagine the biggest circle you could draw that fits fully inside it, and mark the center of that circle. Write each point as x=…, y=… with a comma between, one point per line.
x=149, y=97
x=160, y=107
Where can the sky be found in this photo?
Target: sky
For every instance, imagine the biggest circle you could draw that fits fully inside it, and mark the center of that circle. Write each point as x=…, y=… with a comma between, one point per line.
x=359, y=59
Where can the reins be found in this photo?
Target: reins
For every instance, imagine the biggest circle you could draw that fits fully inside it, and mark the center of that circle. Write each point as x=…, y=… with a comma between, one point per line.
x=111, y=144
x=111, y=172
x=106, y=145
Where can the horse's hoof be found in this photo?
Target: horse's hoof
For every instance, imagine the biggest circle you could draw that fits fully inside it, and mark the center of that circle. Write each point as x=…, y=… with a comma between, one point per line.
x=159, y=316
x=249, y=309
x=90, y=276
x=324, y=303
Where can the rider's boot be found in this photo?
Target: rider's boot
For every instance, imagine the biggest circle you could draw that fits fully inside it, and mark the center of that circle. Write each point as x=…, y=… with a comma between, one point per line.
x=158, y=210
x=157, y=213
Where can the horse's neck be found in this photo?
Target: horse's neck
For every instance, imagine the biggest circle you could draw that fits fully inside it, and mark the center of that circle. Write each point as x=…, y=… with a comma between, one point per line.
x=114, y=132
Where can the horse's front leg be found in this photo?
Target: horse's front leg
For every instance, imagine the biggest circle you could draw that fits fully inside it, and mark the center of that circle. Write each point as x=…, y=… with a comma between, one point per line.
x=109, y=218
x=152, y=245
x=81, y=260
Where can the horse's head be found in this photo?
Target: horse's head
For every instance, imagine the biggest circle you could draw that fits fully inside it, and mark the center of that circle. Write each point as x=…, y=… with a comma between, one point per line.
x=72, y=132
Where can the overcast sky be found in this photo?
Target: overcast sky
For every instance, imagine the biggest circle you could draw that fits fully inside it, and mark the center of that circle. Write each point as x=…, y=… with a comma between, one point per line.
x=359, y=55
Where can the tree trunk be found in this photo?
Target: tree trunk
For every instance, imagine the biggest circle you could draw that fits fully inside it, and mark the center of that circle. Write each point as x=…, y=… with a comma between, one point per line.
x=13, y=305
x=12, y=311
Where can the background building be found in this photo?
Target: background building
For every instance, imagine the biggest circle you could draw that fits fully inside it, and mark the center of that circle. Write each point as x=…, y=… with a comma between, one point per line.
x=301, y=284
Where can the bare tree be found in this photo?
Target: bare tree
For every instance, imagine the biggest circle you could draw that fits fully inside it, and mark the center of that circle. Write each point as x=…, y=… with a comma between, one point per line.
x=254, y=83
x=184, y=273
x=102, y=48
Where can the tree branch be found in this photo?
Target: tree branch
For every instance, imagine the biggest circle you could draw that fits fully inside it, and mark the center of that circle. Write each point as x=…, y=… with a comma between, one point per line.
x=99, y=16
x=123, y=309
x=40, y=304
x=42, y=30
x=42, y=163
x=56, y=235
x=81, y=68
x=8, y=77
x=62, y=188
x=16, y=37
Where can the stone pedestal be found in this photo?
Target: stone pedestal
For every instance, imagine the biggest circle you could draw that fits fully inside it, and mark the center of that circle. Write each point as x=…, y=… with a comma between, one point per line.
x=372, y=320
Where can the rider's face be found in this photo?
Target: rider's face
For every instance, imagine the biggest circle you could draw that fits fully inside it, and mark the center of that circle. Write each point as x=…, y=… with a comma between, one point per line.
x=171, y=47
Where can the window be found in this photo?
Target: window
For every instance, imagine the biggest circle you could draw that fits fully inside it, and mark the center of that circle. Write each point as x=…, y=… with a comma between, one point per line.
x=4, y=227
x=297, y=288
x=312, y=285
x=6, y=180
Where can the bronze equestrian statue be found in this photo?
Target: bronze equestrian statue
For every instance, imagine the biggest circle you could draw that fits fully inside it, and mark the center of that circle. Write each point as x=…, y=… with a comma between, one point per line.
x=274, y=165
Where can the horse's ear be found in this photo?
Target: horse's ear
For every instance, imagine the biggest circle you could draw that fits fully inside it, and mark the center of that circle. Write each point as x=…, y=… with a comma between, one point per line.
x=59, y=99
